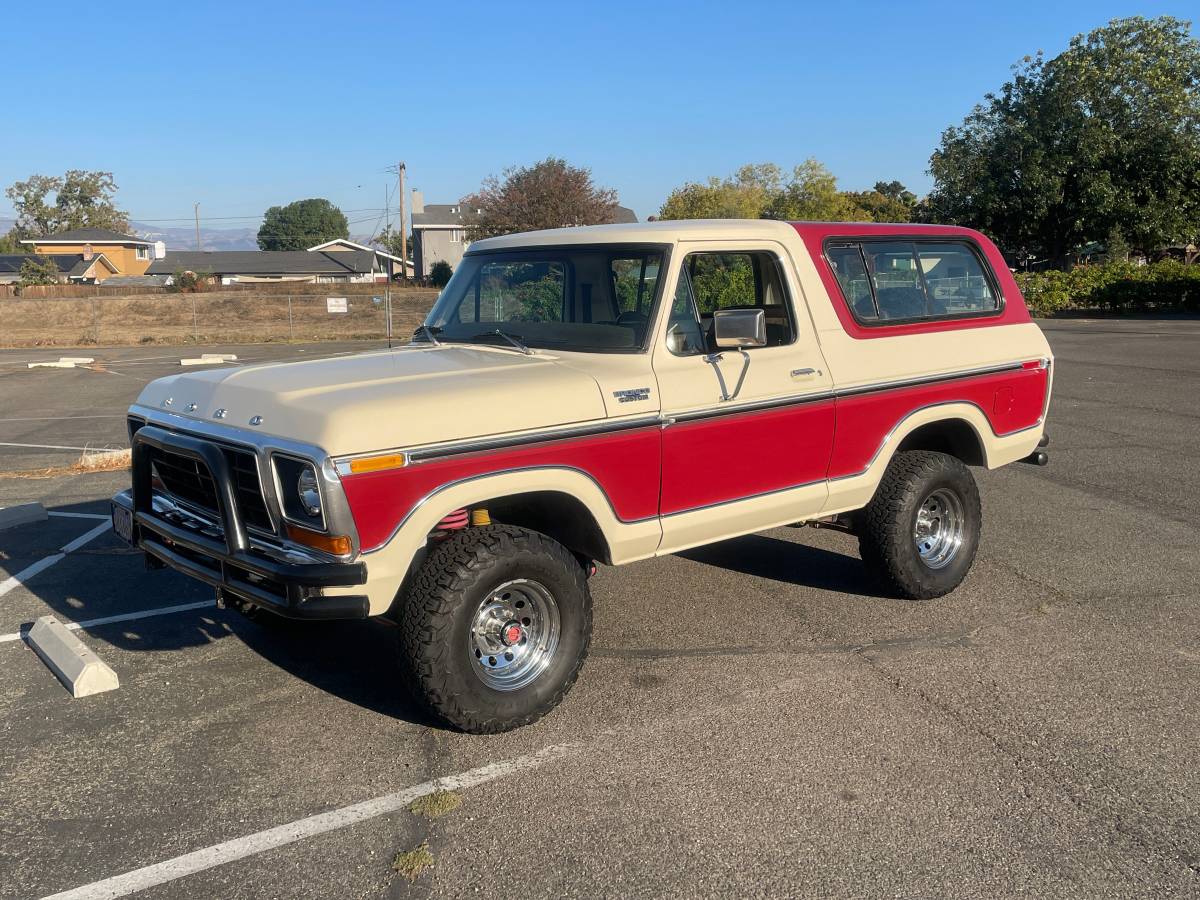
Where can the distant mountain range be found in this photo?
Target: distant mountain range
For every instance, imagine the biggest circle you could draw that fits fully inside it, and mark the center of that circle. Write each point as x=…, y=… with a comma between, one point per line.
x=185, y=238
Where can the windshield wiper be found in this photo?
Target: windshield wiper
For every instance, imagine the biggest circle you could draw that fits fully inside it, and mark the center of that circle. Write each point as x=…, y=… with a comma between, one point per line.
x=431, y=332
x=513, y=339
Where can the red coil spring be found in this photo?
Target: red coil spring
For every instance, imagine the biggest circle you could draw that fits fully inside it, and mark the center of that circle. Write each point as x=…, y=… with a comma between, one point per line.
x=455, y=521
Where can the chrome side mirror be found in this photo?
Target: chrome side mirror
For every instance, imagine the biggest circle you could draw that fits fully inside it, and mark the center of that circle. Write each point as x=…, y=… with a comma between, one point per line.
x=738, y=328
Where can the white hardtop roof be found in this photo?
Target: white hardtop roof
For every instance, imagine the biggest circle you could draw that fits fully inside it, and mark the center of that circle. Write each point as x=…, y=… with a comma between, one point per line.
x=645, y=232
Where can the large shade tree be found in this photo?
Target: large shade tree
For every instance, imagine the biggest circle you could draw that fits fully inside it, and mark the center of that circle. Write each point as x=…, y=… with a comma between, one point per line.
x=50, y=204
x=548, y=194
x=302, y=224
x=1103, y=138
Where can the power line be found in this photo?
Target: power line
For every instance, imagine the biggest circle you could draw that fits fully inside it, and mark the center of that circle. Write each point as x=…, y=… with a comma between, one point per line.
x=365, y=209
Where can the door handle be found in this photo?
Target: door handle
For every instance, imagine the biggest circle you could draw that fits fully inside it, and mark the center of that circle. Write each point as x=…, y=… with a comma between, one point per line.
x=805, y=373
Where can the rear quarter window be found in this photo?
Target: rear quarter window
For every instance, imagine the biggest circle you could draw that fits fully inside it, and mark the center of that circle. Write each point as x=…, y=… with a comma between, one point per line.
x=894, y=281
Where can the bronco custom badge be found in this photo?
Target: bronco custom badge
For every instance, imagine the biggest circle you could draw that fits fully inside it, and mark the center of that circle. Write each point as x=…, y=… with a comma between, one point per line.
x=629, y=395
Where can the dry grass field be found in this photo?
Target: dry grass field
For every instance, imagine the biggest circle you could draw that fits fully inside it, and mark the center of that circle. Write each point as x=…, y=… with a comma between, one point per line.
x=213, y=317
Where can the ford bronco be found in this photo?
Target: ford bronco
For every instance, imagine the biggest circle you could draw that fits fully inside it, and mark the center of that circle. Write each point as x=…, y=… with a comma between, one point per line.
x=600, y=394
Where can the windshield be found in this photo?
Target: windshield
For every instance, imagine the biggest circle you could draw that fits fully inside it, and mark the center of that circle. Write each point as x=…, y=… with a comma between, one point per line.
x=591, y=299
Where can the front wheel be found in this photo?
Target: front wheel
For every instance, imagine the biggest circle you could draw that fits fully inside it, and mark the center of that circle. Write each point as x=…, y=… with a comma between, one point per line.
x=495, y=628
x=920, y=532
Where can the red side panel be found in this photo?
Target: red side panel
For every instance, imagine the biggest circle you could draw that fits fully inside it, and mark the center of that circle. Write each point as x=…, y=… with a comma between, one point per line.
x=1011, y=401
x=730, y=457
x=814, y=235
x=626, y=465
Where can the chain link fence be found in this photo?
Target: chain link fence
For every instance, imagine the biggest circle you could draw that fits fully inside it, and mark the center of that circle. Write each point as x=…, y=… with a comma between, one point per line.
x=244, y=315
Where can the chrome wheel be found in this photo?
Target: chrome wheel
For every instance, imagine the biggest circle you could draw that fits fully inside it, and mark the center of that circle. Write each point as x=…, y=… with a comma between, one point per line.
x=939, y=529
x=514, y=635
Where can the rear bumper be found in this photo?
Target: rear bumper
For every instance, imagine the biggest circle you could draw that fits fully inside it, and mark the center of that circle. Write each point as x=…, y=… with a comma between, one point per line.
x=224, y=556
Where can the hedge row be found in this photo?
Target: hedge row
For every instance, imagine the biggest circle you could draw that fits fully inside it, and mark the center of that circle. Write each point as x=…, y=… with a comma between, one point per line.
x=1121, y=287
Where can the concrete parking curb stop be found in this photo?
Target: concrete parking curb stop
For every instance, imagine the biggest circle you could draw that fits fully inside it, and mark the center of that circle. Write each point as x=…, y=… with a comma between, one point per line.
x=21, y=514
x=208, y=359
x=80, y=670
x=63, y=362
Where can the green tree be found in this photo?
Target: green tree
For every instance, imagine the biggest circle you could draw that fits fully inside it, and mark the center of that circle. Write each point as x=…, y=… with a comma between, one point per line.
x=11, y=243
x=548, y=194
x=882, y=208
x=745, y=195
x=37, y=270
x=1104, y=135
x=439, y=273
x=1116, y=248
x=49, y=204
x=302, y=224
x=812, y=195
x=763, y=191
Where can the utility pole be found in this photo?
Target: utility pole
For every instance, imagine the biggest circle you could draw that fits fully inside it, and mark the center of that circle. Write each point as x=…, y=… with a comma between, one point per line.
x=387, y=291
x=403, y=225
x=196, y=207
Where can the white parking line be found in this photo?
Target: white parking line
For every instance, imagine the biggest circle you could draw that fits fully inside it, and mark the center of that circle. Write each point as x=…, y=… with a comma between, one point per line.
x=281, y=835
x=41, y=565
x=65, y=515
x=58, y=447
x=122, y=617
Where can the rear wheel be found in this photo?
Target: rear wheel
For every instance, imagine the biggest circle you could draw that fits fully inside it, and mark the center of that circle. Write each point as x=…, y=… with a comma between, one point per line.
x=495, y=628
x=920, y=532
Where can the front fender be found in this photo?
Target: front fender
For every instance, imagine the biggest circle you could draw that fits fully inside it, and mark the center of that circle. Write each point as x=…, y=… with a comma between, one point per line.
x=390, y=563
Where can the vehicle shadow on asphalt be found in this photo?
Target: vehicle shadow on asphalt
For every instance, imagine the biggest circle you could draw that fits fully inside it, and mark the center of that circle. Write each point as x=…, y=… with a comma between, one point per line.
x=353, y=660
x=792, y=563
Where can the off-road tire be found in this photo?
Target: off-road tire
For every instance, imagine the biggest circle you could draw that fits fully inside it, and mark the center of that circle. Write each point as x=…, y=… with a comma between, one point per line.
x=886, y=526
x=441, y=601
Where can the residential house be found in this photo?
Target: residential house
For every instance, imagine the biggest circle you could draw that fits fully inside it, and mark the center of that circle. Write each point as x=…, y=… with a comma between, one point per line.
x=440, y=231
x=127, y=255
x=393, y=265
x=303, y=266
x=73, y=268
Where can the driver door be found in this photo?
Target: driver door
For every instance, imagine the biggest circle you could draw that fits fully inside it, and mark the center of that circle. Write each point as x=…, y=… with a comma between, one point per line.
x=748, y=435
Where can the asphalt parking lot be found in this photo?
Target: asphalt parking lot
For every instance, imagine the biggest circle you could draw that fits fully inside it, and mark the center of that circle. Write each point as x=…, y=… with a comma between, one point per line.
x=753, y=719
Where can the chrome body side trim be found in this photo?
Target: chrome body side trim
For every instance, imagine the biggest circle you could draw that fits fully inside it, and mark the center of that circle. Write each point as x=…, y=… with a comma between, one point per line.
x=500, y=442
x=607, y=426
x=926, y=379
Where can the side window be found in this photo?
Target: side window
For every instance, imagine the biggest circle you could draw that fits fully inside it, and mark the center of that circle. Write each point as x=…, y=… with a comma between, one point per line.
x=741, y=280
x=899, y=293
x=955, y=280
x=684, y=337
x=910, y=280
x=633, y=282
x=851, y=271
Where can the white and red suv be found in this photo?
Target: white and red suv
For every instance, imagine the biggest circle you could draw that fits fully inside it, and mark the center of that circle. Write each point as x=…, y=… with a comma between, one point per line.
x=598, y=394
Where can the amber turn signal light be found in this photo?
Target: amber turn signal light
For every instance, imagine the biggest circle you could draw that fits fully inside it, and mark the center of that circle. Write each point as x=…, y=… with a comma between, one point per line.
x=377, y=463
x=337, y=544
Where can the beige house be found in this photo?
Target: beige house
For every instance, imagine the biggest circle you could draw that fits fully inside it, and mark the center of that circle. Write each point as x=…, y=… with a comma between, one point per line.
x=128, y=255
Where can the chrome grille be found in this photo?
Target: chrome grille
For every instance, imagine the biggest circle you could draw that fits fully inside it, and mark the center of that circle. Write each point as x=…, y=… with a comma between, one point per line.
x=189, y=482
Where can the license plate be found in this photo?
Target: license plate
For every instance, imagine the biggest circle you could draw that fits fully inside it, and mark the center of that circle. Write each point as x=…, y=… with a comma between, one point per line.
x=122, y=523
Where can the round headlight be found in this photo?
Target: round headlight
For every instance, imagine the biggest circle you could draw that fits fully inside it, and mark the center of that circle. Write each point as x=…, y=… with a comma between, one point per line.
x=310, y=494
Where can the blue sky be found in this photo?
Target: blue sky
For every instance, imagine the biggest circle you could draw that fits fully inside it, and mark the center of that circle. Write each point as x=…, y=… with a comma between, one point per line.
x=245, y=105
